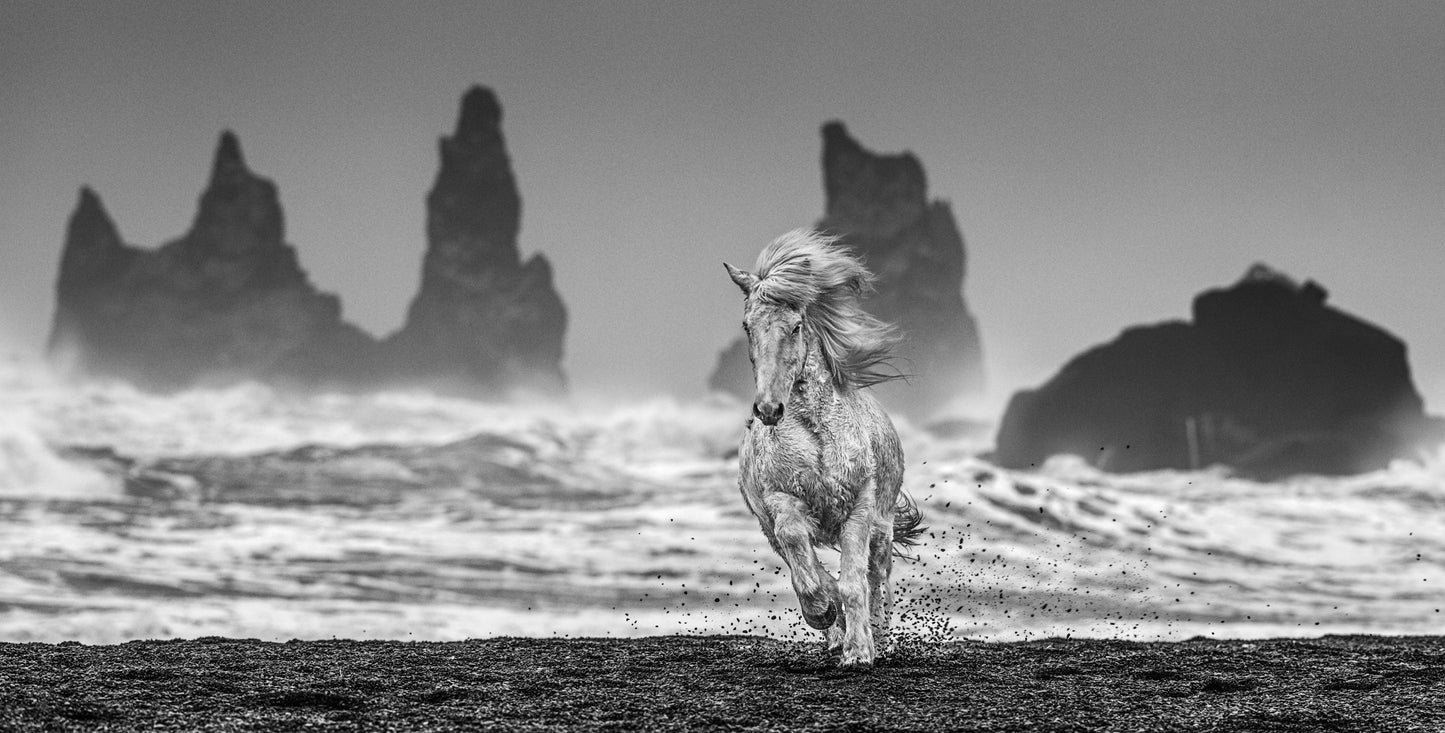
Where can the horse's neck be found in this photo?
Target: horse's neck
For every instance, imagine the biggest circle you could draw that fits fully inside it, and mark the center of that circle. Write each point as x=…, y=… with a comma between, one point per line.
x=819, y=395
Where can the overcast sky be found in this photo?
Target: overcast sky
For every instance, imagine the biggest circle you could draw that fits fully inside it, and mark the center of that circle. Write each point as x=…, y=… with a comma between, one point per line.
x=1105, y=161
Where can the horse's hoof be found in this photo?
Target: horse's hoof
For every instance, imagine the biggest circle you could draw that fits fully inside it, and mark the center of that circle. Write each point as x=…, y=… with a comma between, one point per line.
x=857, y=656
x=825, y=620
x=831, y=617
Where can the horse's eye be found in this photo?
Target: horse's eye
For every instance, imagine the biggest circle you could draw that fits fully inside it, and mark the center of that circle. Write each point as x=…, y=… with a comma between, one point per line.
x=797, y=327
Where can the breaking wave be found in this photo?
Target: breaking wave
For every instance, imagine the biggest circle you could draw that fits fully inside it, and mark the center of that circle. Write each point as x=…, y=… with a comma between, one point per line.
x=243, y=512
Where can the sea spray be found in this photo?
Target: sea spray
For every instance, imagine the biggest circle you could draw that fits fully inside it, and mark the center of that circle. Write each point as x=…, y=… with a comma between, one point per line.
x=411, y=516
x=31, y=468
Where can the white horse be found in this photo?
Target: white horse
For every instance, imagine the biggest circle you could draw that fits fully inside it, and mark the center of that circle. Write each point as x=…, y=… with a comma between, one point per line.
x=820, y=462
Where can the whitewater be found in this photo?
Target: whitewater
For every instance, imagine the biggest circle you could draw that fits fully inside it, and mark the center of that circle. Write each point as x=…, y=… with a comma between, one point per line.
x=244, y=512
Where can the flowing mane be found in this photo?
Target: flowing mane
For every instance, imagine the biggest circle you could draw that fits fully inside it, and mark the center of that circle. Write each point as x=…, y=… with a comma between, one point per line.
x=808, y=270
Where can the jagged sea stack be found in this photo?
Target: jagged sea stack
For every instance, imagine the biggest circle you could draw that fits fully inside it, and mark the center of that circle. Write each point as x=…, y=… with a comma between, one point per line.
x=483, y=319
x=226, y=302
x=879, y=205
x=1267, y=380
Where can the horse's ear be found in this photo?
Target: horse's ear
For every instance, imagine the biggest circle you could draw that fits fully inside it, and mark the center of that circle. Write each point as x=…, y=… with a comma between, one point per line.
x=745, y=280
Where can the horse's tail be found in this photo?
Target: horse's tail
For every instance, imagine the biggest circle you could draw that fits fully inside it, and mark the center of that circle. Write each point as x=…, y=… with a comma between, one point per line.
x=907, y=521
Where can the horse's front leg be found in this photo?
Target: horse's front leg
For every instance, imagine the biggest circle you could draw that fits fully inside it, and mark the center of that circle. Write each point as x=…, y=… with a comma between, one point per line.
x=793, y=530
x=853, y=587
x=880, y=587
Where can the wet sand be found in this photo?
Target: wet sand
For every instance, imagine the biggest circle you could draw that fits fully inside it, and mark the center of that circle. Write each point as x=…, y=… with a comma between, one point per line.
x=726, y=682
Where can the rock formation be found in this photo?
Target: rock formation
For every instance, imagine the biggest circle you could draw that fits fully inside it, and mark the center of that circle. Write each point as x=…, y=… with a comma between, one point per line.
x=482, y=316
x=1266, y=379
x=228, y=301
x=225, y=302
x=879, y=205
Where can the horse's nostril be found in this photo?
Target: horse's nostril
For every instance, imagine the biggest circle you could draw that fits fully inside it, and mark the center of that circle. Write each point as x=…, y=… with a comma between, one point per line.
x=768, y=412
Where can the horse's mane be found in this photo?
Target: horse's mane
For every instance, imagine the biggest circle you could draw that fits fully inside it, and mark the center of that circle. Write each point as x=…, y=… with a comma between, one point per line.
x=809, y=270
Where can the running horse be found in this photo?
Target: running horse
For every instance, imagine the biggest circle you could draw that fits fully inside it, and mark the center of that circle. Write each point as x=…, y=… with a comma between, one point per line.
x=820, y=460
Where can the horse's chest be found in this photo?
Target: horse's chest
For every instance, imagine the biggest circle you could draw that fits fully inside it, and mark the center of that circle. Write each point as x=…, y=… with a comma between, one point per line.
x=791, y=459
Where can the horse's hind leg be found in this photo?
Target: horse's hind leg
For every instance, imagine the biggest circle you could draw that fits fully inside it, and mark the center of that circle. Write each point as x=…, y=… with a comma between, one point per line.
x=793, y=539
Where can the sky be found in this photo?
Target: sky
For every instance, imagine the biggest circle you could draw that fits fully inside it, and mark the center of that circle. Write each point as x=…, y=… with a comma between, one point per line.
x=1105, y=161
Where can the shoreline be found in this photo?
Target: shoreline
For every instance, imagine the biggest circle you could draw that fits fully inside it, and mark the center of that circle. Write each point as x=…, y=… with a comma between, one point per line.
x=733, y=682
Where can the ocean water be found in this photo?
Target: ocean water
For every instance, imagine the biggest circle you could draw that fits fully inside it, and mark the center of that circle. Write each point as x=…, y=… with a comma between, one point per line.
x=245, y=513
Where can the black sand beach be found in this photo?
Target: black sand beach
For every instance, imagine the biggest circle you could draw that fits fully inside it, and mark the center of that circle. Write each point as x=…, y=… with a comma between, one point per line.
x=1352, y=683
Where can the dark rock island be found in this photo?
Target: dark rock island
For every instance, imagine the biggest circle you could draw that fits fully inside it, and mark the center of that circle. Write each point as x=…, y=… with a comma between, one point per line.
x=879, y=205
x=1267, y=379
x=229, y=302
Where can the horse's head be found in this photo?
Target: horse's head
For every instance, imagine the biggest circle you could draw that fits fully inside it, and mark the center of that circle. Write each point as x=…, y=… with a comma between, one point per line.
x=777, y=347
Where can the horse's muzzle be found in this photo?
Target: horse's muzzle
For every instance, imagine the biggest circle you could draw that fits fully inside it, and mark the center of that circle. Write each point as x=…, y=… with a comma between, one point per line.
x=769, y=412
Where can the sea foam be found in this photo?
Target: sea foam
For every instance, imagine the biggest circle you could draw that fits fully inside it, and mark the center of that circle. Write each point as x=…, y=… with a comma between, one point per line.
x=248, y=512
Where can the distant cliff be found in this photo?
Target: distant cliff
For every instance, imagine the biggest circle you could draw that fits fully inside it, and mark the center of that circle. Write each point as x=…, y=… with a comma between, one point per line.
x=879, y=205
x=229, y=302
x=1267, y=379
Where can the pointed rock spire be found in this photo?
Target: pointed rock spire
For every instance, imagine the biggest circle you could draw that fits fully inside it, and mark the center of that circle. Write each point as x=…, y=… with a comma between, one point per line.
x=228, y=163
x=92, y=260
x=239, y=211
x=473, y=209
x=90, y=226
x=870, y=194
x=481, y=113
x=483, y=317
x=89, y=199
x=93, y=247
